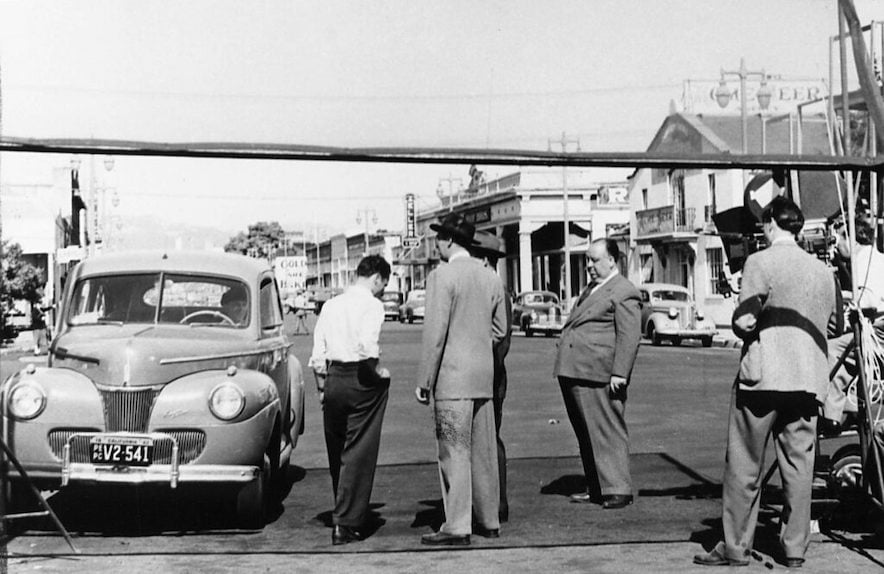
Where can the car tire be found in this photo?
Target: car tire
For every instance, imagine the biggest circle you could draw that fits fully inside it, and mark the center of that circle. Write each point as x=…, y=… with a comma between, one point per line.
x=707, y=341
x=846, y=476
x=653, y=336
x=676, y=341
x=251, y=500
x=18, y=497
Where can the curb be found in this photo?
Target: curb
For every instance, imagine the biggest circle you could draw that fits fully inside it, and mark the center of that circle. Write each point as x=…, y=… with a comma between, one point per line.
x=727, y=343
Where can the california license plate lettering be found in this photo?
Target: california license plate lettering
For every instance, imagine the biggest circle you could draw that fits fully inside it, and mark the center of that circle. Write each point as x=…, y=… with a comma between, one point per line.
x=121, y=450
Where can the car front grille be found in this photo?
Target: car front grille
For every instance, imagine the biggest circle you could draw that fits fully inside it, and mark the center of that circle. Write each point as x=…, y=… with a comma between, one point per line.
x=190, y=445
x=127, y=409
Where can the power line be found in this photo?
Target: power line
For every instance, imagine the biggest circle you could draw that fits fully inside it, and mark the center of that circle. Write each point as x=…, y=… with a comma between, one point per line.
x=483, y=96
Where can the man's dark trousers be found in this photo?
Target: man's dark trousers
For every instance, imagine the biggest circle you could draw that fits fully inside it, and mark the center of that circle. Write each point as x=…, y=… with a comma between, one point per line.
x=353, y=412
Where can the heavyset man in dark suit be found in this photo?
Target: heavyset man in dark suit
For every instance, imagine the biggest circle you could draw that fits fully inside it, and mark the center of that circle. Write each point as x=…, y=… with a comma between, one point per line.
x=597, y=350
x=786, y=301
x=465, y=316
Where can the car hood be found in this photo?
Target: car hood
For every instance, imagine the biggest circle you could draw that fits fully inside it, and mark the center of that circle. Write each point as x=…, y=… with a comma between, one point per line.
x=666, y=305
x=145, y=355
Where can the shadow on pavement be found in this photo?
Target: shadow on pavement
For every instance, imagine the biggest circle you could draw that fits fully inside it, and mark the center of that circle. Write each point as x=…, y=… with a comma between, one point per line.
x=674, y=504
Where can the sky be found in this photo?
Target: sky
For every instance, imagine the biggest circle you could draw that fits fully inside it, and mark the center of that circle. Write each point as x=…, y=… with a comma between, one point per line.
x=452, y=73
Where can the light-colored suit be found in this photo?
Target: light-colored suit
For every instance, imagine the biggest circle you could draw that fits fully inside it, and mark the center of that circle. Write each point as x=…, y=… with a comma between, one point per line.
x=465, y=316
x=789, y=297
x=600, y=340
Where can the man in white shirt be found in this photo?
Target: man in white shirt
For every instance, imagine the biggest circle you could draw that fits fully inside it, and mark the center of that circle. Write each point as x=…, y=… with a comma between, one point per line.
x=353, y=392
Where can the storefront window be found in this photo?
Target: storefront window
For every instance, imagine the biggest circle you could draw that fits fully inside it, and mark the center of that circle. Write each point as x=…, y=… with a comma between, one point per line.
x=714, y=267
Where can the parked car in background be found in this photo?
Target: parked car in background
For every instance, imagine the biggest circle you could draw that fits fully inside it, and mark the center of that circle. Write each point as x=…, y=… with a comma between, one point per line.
x=538, y=311
x=413, y=308
x=392, y=301
x=668, y=312
x=168, y=371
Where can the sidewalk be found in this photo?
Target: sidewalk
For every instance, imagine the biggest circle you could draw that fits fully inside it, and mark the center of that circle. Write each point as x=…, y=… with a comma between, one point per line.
x=726, y=338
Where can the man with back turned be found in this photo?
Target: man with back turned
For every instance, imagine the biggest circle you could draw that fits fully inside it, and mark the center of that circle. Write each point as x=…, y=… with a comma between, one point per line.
x=353, y=391
x=786, y=301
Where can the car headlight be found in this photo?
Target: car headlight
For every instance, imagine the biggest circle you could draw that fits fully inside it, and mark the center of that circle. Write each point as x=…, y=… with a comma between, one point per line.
x=226, y=401
x=673, y=312
x=27, y=400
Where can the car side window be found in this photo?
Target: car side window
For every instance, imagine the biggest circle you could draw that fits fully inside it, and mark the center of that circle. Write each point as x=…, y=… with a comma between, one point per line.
x=645, y=297
x=271, y=314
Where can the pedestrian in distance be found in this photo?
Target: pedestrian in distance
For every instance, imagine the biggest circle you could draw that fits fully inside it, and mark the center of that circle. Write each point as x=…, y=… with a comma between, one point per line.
x=596, y=353
x=465, y=317
x=786, y=302
x=353, y=391
x=301, y=314
x=489, y=250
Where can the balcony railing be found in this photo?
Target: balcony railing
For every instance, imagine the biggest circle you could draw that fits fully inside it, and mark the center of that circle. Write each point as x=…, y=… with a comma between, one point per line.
x=665, y=220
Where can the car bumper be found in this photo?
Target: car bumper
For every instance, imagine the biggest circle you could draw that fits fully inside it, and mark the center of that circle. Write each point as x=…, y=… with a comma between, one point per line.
x=687, y=333
x=82, y=473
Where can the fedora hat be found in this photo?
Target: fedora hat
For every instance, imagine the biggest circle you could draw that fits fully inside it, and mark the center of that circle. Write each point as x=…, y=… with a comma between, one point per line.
x=486, y=243
x=456, y=227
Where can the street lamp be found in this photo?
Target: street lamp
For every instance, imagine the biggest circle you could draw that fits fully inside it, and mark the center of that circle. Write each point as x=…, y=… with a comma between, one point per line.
x=723, y=95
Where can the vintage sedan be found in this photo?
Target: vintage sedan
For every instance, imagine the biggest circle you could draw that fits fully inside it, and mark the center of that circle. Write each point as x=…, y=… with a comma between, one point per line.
x=668, y=312
x=413, y=308
x=538, y=311
x=170, y=370
x=392, y=300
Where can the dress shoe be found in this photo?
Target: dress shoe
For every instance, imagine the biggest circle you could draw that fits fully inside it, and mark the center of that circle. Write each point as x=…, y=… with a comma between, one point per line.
x=444, y=539
x=344, y=535
x=793, y=562
x=486, y=532
x=716, y=557
x=585, y=497
x=614, y=501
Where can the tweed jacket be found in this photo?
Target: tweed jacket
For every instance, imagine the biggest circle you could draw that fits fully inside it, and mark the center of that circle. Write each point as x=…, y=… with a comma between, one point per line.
x=601, y=337
x=464, y=316
x=789, y=296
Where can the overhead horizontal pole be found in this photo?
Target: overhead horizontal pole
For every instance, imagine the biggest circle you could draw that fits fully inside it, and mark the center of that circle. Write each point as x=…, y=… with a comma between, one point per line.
x=413, y=155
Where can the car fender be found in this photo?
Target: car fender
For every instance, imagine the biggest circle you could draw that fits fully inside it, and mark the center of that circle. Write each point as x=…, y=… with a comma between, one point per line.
x=296, y=390
x=66, y=391
x=186, y=400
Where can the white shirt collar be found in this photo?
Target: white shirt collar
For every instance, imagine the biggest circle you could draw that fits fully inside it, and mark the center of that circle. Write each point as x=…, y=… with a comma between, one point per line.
x=458, y=255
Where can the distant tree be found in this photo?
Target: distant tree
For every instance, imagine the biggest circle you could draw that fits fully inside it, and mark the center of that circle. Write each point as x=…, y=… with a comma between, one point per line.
x=262, y=239
x=18, y=280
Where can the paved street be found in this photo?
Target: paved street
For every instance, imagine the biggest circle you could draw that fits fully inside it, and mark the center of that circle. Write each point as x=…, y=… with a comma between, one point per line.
x=677, y=414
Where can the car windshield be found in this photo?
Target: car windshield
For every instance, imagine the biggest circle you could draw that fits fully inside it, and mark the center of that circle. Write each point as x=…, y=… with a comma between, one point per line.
x=670, y=295
x=540, y=299
x=390, y=297
x=159, y=298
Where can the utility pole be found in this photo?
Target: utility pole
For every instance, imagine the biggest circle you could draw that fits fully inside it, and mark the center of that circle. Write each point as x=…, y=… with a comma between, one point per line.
x=364, y=213
x=564, y=142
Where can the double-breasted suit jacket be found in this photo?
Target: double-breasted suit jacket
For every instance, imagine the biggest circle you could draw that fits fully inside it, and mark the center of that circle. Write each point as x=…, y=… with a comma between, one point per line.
x=601, y=337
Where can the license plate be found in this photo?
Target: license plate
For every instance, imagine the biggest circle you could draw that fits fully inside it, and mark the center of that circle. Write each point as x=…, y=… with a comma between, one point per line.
x=121, y=450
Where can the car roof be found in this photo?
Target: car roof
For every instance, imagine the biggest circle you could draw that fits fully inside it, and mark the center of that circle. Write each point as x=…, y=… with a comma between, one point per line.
x=208, y=262
x=662, y=287
x=537, y=292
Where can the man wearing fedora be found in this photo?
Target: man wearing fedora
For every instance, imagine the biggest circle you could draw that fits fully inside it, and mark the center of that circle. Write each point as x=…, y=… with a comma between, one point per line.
x=489, y=249
x=597, y=351
x=465, y=316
